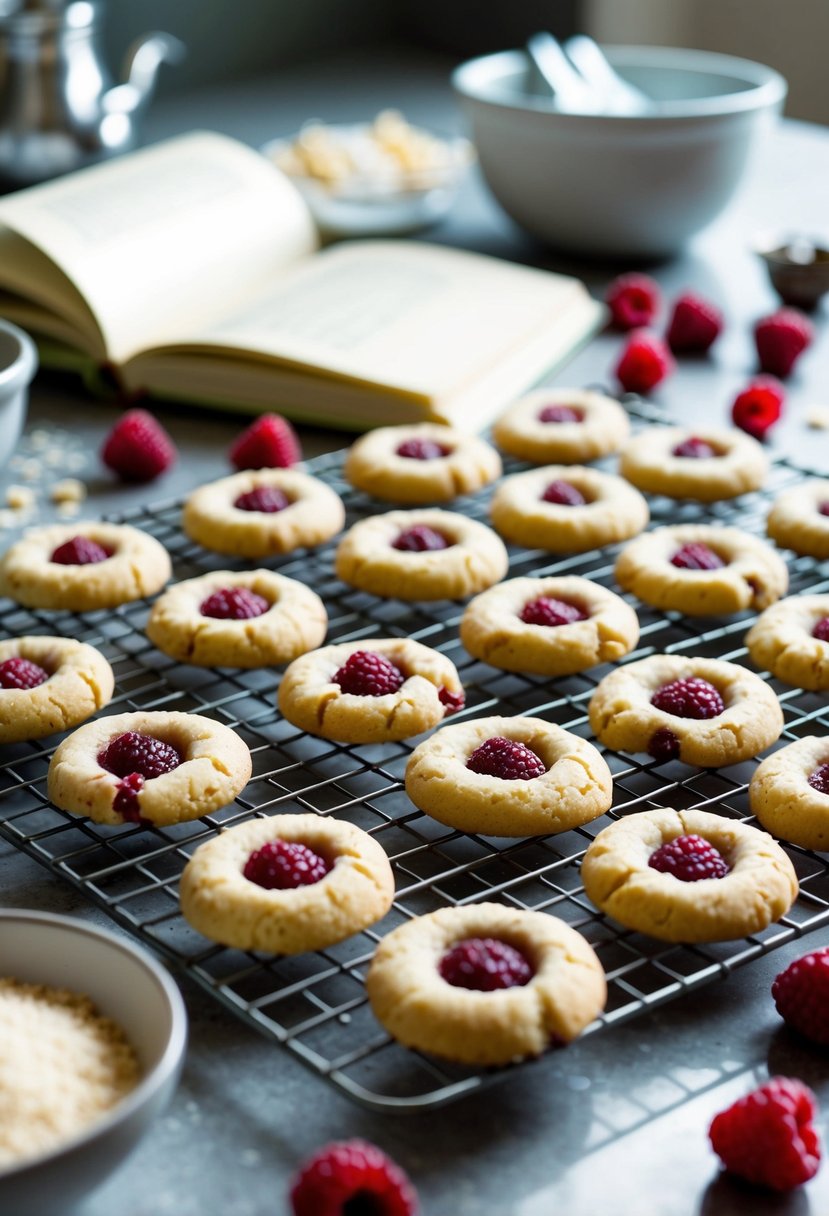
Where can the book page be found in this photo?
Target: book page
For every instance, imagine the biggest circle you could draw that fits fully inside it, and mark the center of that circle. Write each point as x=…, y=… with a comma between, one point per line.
x=172, y=236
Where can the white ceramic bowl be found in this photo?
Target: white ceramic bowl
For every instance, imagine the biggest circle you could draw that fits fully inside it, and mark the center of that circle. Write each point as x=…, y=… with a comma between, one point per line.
x=18, y=364
x=126, y=984
x=612, y=185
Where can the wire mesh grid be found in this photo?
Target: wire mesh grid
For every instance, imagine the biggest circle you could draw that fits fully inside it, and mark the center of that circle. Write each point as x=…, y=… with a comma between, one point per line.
x=315, y=1004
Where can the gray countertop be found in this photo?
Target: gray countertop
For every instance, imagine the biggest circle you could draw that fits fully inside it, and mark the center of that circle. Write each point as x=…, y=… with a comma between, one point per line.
x=615, y=1124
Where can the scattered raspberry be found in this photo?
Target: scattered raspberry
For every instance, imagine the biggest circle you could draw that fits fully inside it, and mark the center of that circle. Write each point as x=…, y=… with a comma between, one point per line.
x=551, y=612
x=633, y=300
x=484, y=964
x=80, y=551
x=781, y=340
x=283, y=865
x=560, y=413
x=21, y=673
x=823, y=508
x=133, y=752
x=125, y=801
x=758, y=406
x=352, y=1178
x=819, y=779
x=689, y=858
x=138, y=448
x=268, y=443
x=422, y=449
x=801, y=994
x=419, y=539
x=691, y=698
x=821, y=629
x=268, y=499
x=233, y=604
x=644, y=362
x=367, y=674
x=694, y=326
x=564, y=494
x=768, y=1136
x=696, y=556
x=453, y=701
x=693, y=448
x=664, y=745
x=507, y=759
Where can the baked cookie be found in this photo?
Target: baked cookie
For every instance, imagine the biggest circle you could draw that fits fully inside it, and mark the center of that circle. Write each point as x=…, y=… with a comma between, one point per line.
x=567, y=509
x=799, y=519
x=791, y=640
x=255, y=619
x=508, y=777
x=49, y=684
x=702, y=570
x=706, y=465
x=286, y=884
x=789, y=793
x=83, y=566
x=688, y=876
x=548, y=626
x=154, y=768
x=421, y=555
x=420, y=464
x=373, y=691
x=704, y=712
x=562, y=426
x=485, y=984
x=263, y=512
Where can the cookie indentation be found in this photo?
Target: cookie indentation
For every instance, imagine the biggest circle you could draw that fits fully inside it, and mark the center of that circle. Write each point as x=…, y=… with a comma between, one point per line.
x=485, y=964
x=283, y=865
x=689, y=858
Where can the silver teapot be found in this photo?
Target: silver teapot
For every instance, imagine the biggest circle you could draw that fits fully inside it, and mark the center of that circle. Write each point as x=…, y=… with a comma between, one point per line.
x=59, y=108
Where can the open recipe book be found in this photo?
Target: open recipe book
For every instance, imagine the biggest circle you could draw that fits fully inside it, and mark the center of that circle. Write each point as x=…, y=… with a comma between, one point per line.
x=190, y=270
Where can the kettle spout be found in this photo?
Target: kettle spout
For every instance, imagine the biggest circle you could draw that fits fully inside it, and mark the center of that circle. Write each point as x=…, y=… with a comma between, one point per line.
x=143, y=60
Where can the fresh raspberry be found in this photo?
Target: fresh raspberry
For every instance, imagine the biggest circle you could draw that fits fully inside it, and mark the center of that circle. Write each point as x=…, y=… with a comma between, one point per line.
x=133, y=752
x=663, y=745
x=80, y=551
x=560, y=413
x=823, y=508
x=801, y=994
x=819, y=779
x=689, y=858
x=694, y=448
x=691, y=698
x=419, y=539
x=644, y=362
x=507, y=759
x=422, y=449
x=484, y=964
x=781, y=340
x=367, y=674
x=453, y=701
x=268, y=499
x=125, y=801
x=268, y=443
x=633, y=300
x=138, y=448
x=821, y=629
x=696, y=556
x=695, y=324
x=21, y=673
x=551, y=612
x=758, y=406
x=352, y=1178
x=768, y=1136
x=564, y=494
x=233, y=604
x=284, y=865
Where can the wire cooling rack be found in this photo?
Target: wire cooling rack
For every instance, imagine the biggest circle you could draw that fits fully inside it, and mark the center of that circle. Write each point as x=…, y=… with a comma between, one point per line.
x=315, y=1004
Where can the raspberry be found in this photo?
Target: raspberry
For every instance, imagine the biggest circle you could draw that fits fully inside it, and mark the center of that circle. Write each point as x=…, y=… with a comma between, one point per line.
x=823, y=508
x=693, y=448
x=125, y=801
x=268, y=443
x=696, y=556
x=422, y=449
x=691, y=698
x=801, y=994
x=284, y=865
x=644, y=362
x=507, y=759
x=80, y=551
x=819, y=779
x=758, y=406
x=21, y=673
x=768, y=1136
x=453, y=701
x=268, y=499
x=689, y=858
x=419, y=539
x=664, y=745
x=484, y=964
x=138, y=448
x=821, y=629
x=133, y=752
x=633, y=300
x=367, y=674
x=560, y=413
x=233, y=604
x=564, y=494
x=781, y=340
x=551, y=612
x=694, y=325
x=352, y=1178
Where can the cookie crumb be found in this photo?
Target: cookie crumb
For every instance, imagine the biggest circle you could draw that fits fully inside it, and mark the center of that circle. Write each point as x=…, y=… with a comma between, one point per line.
x=68, y=510
x=69, y=490
x=817, y=417
x=31, y=470
x=20, y=498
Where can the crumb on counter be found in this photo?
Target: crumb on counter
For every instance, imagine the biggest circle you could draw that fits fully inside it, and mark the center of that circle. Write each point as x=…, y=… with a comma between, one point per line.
x=20, y=498
x=817, y=417
x=69, y=490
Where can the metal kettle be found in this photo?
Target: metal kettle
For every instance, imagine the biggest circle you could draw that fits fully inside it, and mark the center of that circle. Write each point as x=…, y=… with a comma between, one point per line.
x=59, y=108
